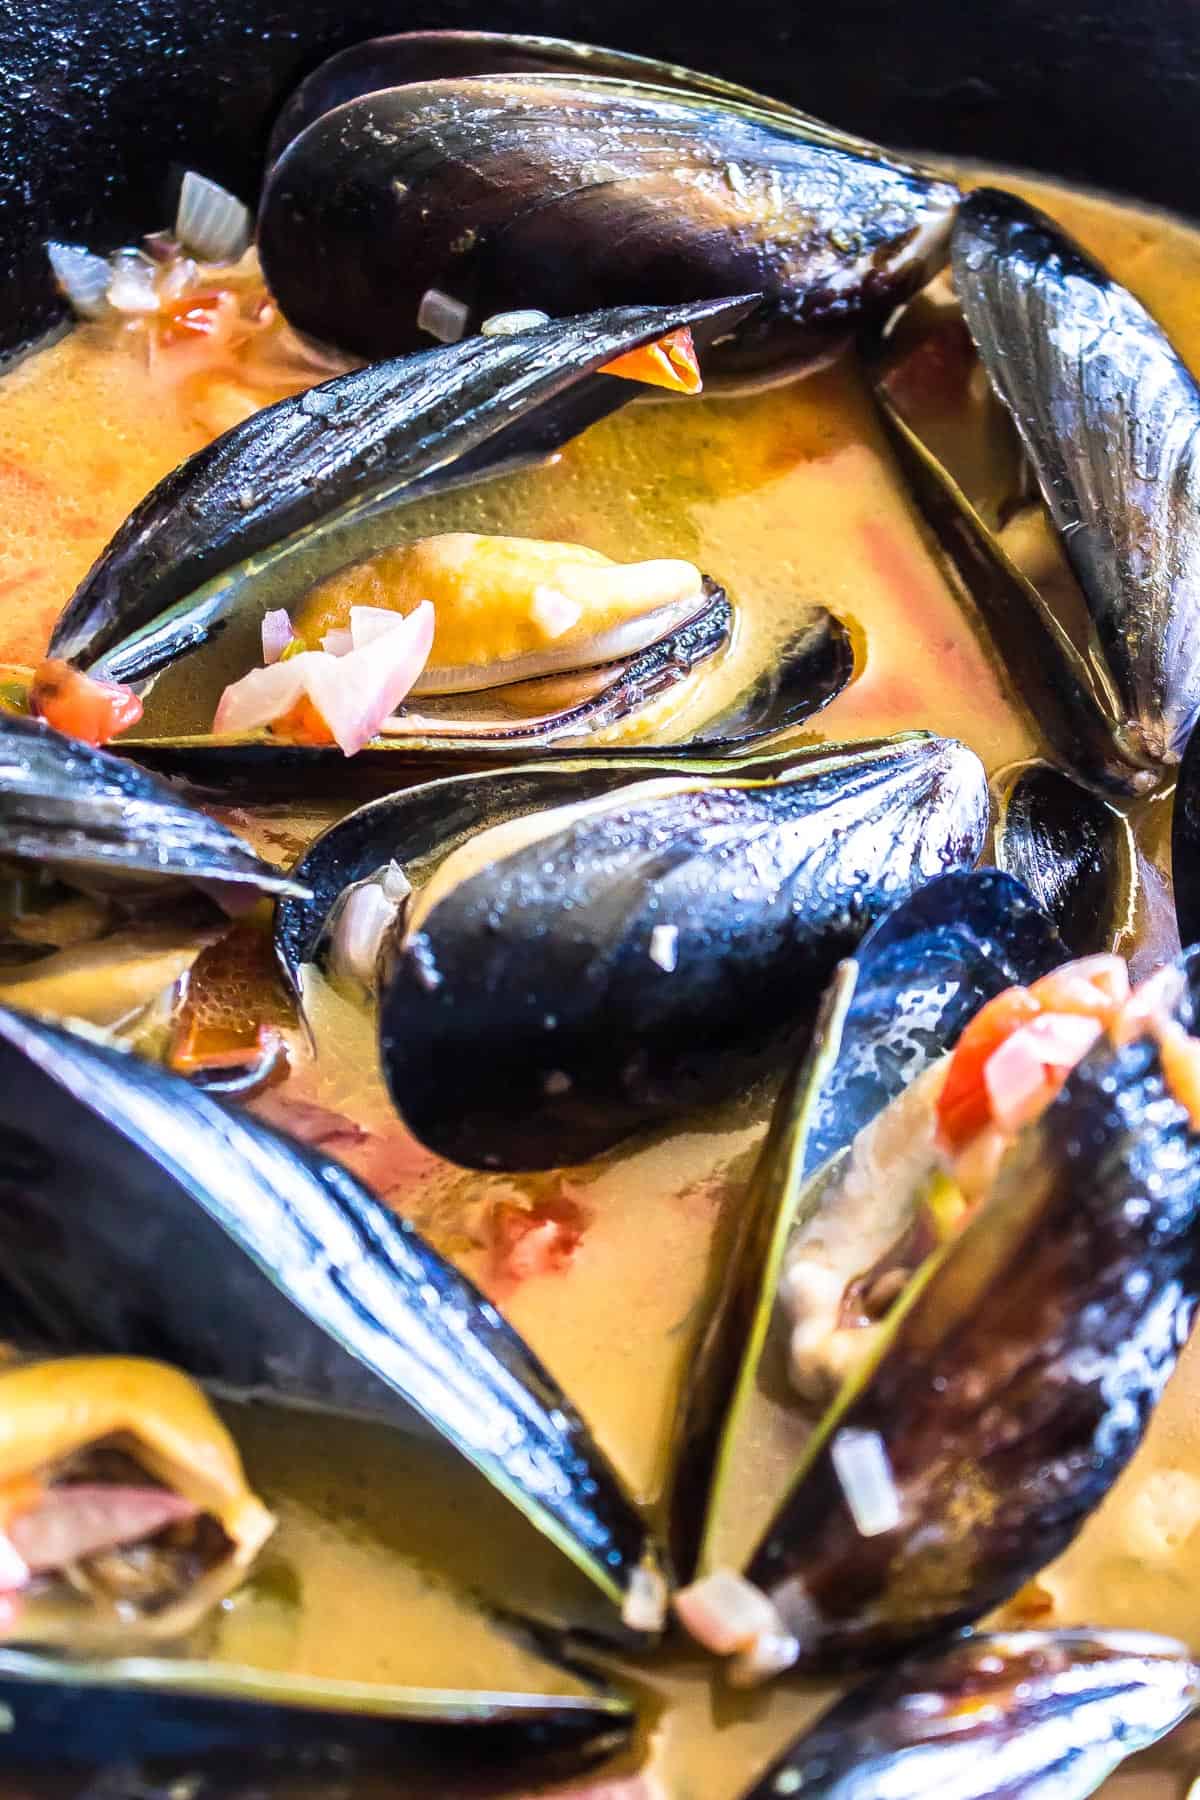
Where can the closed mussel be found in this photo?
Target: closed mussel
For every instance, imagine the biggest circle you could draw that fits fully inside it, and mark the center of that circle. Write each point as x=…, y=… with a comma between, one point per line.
x=300, y=1287
x=567, y=977
x=502, y=192
x=1073, y=851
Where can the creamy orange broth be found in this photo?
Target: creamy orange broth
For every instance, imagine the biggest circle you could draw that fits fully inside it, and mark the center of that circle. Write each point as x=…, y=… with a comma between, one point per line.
x=387, y=1555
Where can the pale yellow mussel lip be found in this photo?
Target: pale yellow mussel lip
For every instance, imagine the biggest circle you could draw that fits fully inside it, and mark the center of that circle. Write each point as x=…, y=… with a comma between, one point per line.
x=51, y=1410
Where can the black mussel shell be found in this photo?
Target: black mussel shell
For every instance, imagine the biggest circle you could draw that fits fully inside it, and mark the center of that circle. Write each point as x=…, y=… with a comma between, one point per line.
x=1047, y=675
x=95, y=819
x=565, y=191
x=1073, y=852
x=409, y=56
x=623, y=961
x=897, y=1005
x=1108, y=415
x=318, y=469
x=1185, y=843
x=141, y=1216
x=994, y=1717
x=1014, y=1378
x=196, y=1727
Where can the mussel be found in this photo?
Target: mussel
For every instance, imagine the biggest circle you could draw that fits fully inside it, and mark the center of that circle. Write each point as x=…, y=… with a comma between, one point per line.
x=1034, y=1308
x=560, y=191
x=126, y=1511
x=1003, y=1716
x=98, y=822
x=893, y=1010
x=1108, y=415
x=300, y=1287
x=567, y=977
x=1073, y=851
x=146, y=1727
x=1185, y=843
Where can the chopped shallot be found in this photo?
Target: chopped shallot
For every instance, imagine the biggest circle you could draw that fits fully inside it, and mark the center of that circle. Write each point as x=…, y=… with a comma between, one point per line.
x=89, y=1517
x=725, y=1612
x=277, y=634
x=351, y=694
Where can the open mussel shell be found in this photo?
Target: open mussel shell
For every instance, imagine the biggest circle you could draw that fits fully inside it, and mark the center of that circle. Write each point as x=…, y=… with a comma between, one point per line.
x=416, y=828
x=1073, y=707
x=511, y=191
x=187, y=1722
x=567, y=978
x=386, y=62
x=893, y=1009
x=1073, y=852
x=311, y=483
x=300, y=1286
x=1000, y=1716
x=1014, y=1377
x=97, y=820
x=1108, y=416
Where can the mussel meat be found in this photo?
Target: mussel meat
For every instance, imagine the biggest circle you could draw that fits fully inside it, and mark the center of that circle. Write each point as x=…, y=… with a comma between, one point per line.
x=1074, y=853
x=300, y=1286
x=126, y=1511
x=561, y=191
x=567, y=977
x=1108, y=415
x=1017, y=1335
x=994, y=1717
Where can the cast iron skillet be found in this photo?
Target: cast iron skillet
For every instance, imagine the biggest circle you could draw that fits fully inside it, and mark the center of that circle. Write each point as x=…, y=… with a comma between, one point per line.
x=101, y=99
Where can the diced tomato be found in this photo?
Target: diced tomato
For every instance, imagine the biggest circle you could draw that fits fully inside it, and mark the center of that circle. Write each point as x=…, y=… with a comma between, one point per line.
x=1180, y=1054
x=79, y=705
x=194, y=316
x=535, y=1240
x=963, y=1107
x=1095, y=986
x=303, y=724
x=669, y=363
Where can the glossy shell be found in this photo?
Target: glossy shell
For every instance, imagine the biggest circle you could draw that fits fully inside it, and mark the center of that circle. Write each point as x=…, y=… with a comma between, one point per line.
x=556, y=191
x=565, y=981
x=1014, y=1378
x=1073, y=852
x=300, y=1286
x=1109, y=417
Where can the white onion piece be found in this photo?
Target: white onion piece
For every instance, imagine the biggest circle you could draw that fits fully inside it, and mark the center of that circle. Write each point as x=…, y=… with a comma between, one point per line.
x=14, y=1570
x=508, y=324
x=337, y=643
x=211, y=222
x=277, y=634
x=645, y=1605
x=862, y=1466
x=769, y=1655
x=442, y=316
x=369, y=622
x=89, y=1517
x=725, y=1612
x=82, y=277
x=133, y=283
x=354, y=694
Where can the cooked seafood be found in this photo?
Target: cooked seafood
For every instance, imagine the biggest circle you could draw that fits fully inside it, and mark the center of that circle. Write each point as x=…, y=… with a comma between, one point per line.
x=1012, y=1376
x=1074, y=853
x=561, y=191
x=892, y=1011
x=1004, y=1715
x=278, y=502
x=566, y=978
x=1108, y=415
x=75, y=820
x=126, y=1515
x=302, y=1287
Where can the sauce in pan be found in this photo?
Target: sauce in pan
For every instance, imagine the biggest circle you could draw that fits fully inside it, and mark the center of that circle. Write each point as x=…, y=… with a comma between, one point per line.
x=384, y=1561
